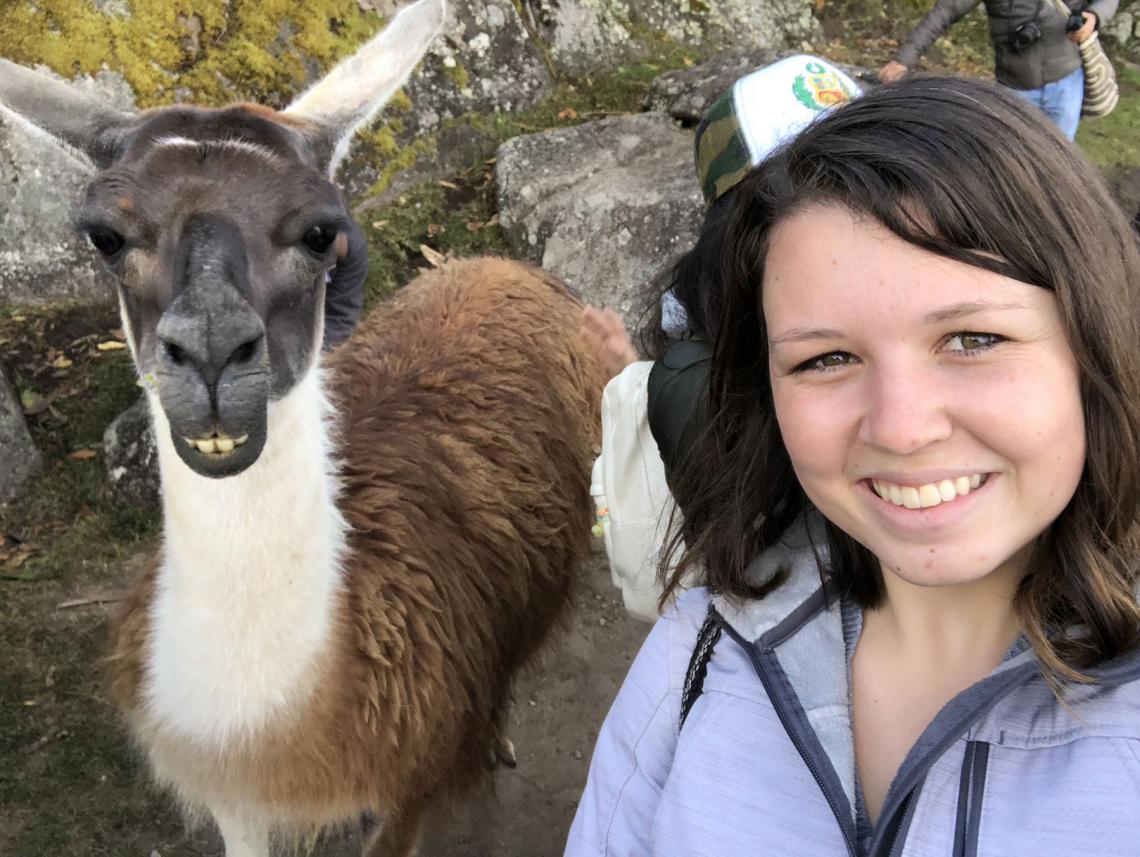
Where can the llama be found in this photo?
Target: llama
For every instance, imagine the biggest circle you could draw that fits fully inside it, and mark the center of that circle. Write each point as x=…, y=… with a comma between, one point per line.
x=357, y=555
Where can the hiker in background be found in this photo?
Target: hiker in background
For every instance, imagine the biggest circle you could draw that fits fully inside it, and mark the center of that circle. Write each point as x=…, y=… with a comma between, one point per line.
x=1035, y=55
x=652, y=411
x=915, y=510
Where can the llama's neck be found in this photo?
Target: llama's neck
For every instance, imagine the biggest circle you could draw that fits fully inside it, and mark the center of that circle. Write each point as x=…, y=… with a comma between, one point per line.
x=246, y=595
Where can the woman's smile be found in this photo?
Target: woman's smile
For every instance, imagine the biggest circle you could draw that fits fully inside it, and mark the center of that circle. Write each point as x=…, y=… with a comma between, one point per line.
x=909, y=504
x=914, y=494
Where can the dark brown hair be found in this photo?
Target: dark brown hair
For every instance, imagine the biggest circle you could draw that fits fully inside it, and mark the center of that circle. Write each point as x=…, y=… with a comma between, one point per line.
x=972, y=173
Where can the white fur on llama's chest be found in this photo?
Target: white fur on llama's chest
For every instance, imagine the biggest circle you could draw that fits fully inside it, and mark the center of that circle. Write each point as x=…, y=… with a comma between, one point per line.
x=246, y=591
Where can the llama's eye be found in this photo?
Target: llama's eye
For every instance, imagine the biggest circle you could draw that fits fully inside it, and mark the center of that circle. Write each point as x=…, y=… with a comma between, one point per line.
x=319, y=238
x=106, y=241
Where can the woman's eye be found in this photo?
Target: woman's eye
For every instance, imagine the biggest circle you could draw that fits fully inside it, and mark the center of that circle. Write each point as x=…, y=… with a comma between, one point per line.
x=970, y=342
x=319, y=238
x=833, y=360
x=106, y=241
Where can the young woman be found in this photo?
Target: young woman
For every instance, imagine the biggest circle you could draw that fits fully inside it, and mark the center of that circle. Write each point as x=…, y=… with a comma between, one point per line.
x=915, y=508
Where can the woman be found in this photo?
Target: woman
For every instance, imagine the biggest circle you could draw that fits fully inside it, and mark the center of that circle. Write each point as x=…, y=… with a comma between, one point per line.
x=915, y=507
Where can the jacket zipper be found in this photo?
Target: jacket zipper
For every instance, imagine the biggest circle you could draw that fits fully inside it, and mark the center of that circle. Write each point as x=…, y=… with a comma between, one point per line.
x=811, y=766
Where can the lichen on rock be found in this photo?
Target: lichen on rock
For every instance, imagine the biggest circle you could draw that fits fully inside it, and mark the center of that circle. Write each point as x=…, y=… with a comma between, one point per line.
x=213, y=51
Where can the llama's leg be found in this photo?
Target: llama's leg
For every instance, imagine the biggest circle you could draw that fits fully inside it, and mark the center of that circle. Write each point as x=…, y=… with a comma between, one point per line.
x=244, y=837
x=501, y=752
x=399, y=833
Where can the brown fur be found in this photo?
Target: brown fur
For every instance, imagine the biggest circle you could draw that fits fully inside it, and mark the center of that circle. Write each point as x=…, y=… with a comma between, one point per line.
x=468, y=417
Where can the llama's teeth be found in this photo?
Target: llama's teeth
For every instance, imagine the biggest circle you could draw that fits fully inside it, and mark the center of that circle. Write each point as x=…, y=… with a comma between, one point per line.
x=238, y=441
x=207, y=446
x=224, y=444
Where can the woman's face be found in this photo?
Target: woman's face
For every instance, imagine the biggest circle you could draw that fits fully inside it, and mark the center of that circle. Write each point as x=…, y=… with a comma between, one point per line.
x=931, y=409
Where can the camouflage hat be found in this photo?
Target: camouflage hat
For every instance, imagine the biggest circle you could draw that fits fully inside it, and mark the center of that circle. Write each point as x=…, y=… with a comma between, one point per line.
x=760, y=111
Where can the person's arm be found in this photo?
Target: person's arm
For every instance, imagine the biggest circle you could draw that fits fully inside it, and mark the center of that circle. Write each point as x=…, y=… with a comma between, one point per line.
x=1103, y=9
x=605, y=335
x=1095, y=14
x=937, y=21
x=344, y=296
x=677, y=392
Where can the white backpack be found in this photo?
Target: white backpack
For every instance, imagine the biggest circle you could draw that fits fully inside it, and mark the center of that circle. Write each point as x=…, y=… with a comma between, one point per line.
x=628, y=485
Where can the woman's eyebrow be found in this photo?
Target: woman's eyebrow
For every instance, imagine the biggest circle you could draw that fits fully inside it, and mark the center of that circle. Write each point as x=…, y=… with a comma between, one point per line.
x=953, y=311
x=803, y=334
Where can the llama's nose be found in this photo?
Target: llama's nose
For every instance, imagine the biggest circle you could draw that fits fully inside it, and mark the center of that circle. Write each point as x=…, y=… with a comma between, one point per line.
x=207, y=346
x=210, y=325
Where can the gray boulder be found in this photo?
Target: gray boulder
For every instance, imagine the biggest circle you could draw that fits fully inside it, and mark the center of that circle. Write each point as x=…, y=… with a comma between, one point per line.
x=132, y=457
x=608, y=206
x=19, y=458
x=687, y=93
x=585, y=35
x=1122, y=31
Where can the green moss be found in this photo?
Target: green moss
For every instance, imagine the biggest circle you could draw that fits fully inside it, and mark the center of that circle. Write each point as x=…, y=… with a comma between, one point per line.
x=220, y=51
x=400, y=102
x=401, y=159
x=458, y=75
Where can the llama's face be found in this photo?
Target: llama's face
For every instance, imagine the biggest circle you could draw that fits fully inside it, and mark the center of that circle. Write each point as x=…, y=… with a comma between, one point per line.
x=220, y=226
x=219, y=229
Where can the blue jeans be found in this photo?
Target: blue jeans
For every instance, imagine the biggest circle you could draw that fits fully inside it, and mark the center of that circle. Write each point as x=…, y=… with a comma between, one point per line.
x=1060, y=100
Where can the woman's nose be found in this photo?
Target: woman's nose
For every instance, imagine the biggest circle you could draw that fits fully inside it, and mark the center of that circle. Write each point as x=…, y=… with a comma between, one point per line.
x=907, y=409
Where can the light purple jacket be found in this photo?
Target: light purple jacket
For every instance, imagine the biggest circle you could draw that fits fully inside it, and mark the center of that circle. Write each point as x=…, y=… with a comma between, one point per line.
x=765, y=763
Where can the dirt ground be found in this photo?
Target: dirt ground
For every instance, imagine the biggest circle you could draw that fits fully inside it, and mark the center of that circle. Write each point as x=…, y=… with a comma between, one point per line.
x=78, y=790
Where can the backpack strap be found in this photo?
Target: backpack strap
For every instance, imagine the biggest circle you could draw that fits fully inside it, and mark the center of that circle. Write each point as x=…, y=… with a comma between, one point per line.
x=699, y=663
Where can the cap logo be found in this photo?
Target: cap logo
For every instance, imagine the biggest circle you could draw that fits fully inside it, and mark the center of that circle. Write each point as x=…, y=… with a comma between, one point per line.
x=819, y=88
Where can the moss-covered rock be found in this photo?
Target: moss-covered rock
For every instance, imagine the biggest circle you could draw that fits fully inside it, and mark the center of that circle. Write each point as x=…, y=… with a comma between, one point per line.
x=585, y=35
x=205, y=51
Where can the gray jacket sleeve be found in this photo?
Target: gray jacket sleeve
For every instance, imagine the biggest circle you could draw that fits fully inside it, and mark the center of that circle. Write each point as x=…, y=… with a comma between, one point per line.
x=1103, y=9
x=937, y=21
x=344, y=296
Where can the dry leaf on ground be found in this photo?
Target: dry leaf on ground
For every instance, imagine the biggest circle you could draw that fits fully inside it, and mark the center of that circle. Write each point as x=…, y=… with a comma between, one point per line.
x=434, y=257
x=108, y=596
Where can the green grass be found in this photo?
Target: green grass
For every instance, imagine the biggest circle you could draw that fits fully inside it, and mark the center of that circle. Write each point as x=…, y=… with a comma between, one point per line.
x=1114, y=140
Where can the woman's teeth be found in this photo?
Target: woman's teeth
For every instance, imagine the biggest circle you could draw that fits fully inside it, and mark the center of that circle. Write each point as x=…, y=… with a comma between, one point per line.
x=931, y=494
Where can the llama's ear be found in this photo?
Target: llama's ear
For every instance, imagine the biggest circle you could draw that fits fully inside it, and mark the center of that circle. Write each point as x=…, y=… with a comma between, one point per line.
x=350, y=94
x=85, y=128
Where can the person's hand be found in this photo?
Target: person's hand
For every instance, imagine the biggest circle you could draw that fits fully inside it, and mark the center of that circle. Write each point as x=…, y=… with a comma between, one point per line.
x=1086, y=29
x=892, y=71
x=605, y=334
